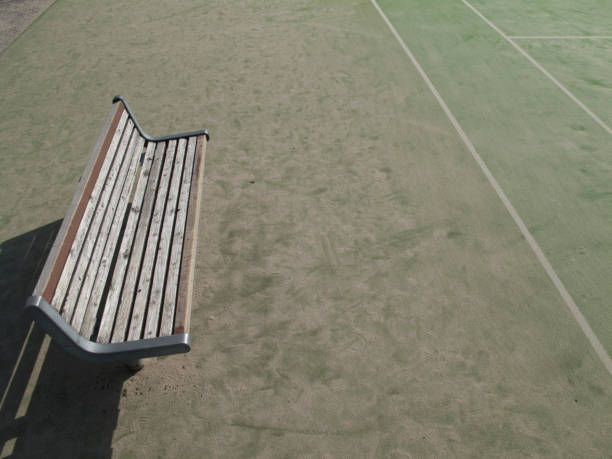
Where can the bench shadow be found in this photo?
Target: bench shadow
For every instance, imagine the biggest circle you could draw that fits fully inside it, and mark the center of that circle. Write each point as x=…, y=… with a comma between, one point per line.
x=51, y=405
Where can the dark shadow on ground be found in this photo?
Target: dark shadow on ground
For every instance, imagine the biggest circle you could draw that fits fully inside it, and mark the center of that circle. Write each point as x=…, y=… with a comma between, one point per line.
x=70, y=408
x=21, y=260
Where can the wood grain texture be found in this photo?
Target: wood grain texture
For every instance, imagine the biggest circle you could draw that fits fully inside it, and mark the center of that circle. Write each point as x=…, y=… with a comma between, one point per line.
x=84, y=243
x=103, y=270
x=54, y=265
x=165, y=241
x=112, y=299
x=185, y=289
x=94, y=200
x=148, y=263
x=133, y=270
x=174, y=265
x=101, y=235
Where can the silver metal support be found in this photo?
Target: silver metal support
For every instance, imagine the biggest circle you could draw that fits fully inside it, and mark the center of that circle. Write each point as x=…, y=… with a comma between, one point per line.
x=150, y=138
x=63, y=334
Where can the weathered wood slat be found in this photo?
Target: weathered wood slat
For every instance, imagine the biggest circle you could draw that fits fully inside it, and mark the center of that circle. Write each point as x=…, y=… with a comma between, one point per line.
x=165, y=240
x=52, y=269
x=183, y=303
x=114, y=292
x=103, y=272
x=95, y=200
x=85, y=248
x=146, y=271
x=106, y=222
x=142, y=230
x=174, y=266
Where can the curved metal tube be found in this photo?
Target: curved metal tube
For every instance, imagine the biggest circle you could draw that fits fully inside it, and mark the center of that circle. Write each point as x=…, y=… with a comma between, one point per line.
x=54, y=324
x=150, y=138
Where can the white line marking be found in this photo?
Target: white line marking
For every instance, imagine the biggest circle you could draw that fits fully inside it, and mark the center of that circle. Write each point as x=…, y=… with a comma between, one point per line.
x=584, y=325
x=560, y=37
x=541, y=69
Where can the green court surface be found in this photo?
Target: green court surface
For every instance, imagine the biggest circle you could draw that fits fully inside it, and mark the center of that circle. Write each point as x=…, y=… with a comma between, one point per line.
x=362, y=290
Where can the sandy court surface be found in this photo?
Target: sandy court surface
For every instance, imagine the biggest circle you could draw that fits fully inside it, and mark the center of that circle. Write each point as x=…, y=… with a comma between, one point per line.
x=16, y=16
x=361, y=291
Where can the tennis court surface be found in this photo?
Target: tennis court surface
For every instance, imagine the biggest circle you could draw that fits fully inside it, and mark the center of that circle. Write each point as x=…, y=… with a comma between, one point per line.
x=405, y=247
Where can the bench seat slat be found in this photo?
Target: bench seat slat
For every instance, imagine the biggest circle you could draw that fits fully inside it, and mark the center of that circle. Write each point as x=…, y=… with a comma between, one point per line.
x=130, y=285
x=113, y=296
x=163, y=252
x=103, y=271
x=95, y=206
x=148, y=263
x=183, y=302
x=174, y=266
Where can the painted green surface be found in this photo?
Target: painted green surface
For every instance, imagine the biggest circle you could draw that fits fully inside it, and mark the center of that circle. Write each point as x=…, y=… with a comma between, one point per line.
x=549, y=156
x=583, y=66
x=361, y=291
x=549, y=17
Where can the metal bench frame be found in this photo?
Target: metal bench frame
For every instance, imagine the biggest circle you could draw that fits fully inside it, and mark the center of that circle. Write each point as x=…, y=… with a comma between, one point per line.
x=59, y=329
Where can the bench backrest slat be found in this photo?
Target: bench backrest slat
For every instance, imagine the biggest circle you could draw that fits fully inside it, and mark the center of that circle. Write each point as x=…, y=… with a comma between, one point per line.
x=114, y=232
x=82, y=248
x=123, y=257
x=54, y=265
x=91, y=257
x=130, y=287
x=94, y=199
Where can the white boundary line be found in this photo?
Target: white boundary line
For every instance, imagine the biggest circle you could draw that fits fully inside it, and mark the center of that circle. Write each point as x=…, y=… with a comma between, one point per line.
x=560, y=37
x=582, y=322
x=567, y=92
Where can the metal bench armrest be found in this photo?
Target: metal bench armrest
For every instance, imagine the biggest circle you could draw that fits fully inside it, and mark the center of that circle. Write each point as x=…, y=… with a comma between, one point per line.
x=62, y=333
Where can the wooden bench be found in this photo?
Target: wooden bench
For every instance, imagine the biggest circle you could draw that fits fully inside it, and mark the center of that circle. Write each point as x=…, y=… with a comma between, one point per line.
x=118, y=281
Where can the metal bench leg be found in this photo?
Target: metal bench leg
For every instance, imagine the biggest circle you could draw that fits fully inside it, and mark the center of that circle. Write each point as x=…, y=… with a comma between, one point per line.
x=135, y=365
